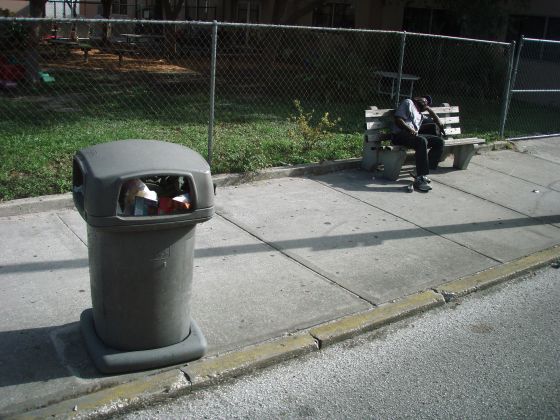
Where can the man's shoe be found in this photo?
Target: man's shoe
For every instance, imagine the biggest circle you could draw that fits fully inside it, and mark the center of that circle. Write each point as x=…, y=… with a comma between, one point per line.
x=413, y=174
x=421, y=185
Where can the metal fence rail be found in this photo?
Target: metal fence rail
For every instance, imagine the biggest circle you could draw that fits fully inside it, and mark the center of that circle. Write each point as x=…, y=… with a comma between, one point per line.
x=534, y=100
x=242, y=95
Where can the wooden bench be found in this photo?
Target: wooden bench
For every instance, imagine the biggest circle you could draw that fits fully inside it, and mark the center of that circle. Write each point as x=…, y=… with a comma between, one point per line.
x=380, y=154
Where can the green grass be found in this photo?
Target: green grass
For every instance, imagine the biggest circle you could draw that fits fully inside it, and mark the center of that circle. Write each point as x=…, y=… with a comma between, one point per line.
x=36, y=148
x=43, y=131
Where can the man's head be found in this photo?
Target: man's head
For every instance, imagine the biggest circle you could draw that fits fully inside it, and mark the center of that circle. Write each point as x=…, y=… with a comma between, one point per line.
x=422, y=102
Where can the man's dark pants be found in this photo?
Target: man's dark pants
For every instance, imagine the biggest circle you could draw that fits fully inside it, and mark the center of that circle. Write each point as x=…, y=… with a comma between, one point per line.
x=421, y=143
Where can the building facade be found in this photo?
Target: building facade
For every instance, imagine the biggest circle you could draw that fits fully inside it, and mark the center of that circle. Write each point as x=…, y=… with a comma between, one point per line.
x=504, y=20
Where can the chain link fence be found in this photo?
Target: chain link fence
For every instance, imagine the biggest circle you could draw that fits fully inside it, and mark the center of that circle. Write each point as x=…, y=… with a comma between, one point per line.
x=534, y=102
x=244, y=96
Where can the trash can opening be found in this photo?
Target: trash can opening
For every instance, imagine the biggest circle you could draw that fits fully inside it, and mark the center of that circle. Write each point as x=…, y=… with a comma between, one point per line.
x=78, y=185
x=155, y=196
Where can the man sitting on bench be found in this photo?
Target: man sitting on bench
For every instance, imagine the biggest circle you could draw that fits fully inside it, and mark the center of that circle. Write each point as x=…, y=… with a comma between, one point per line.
x=410, y=130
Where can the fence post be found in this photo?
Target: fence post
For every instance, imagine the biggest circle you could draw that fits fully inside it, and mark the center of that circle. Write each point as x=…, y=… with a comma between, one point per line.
x=401, y=61
x=212, y=90
x=515, y=68
x=507, y=90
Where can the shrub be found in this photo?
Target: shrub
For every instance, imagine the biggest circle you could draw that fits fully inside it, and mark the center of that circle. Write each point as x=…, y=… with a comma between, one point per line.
x=309, y=132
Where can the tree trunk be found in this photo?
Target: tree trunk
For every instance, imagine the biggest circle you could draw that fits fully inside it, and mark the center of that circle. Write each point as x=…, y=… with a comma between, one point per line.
x=37, y=8
x=171, y=9
x=31, y=54
x=106, y=13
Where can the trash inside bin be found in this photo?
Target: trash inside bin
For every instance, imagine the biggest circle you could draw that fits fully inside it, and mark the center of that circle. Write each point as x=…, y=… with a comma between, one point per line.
x=141, y=200
x=154, y=196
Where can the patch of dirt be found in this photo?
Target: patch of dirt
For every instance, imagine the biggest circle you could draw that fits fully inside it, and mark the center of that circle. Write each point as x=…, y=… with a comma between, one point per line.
x=101, y=60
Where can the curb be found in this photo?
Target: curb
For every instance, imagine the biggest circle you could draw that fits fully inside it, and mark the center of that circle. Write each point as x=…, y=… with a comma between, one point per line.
x=230, y=365
x=497, y=145
x=36, y=205
x=110, y=400
x=223, y=180
x=65, y=201
x=372, y=319
x=498, y=274
x=213, y=370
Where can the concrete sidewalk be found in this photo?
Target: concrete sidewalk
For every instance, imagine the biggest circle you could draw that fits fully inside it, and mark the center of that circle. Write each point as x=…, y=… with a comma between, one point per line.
x=281, y=259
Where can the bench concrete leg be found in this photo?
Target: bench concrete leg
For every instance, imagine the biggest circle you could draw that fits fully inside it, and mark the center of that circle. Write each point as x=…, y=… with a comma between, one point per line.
x=392, y=161
x=463, y=155
x=445, y=154
x=370, y=157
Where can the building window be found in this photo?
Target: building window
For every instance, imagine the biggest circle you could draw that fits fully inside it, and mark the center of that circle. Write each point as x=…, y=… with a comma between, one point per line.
x=553, y=29
x=248, y=11
x=539, y=27
x=204, y=10
x=527, y=26
x=120, y=7
x=430, y=21
x=334, y=15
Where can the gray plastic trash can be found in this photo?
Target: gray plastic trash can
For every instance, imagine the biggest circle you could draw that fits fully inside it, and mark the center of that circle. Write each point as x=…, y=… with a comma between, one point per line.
x=141, y=200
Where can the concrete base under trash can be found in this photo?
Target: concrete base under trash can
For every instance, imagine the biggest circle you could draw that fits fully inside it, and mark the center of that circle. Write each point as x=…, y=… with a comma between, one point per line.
x=109, y=360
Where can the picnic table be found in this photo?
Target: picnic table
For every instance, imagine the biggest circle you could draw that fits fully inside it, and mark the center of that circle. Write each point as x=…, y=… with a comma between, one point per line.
x=134, y=38
x=136, y=44
x=68, y=44
x=391, y=88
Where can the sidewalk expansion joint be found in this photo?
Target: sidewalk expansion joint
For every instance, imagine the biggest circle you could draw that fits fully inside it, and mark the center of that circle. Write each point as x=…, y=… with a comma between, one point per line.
x=295, y=259
x=517, y=177
x=71, y=230
x=411, y=222
x=538, y=218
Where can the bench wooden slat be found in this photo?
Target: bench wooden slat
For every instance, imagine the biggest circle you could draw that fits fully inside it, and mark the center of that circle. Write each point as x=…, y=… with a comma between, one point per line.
x=444, y=120
x=376, y=138
x=458, y=142
x=379, y=112
x=370, y=132
x=389, y=112
x=445, y=110
x=377, y=125
x=452, y=130
x=448, y=142
x=374, y=126
x=449, y=120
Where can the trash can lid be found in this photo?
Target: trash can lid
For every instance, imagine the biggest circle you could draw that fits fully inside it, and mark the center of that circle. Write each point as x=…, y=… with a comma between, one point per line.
x=106, y=166
x=128, y=158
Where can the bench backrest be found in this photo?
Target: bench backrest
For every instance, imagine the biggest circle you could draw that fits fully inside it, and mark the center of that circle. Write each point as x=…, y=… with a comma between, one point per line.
x=380, y=121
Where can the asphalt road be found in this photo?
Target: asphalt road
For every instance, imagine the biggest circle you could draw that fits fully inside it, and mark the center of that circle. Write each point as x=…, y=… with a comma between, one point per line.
x=494, y=354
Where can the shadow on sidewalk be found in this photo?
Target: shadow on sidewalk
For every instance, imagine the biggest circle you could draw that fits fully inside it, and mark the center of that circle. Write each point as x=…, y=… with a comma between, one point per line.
x=44, y=266
x=38, y=355
x=323, y=243
x=42, y=354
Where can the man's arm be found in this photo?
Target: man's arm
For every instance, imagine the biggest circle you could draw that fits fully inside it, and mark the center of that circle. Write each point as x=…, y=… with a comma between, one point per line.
x=434, y=117
x=401, y=124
